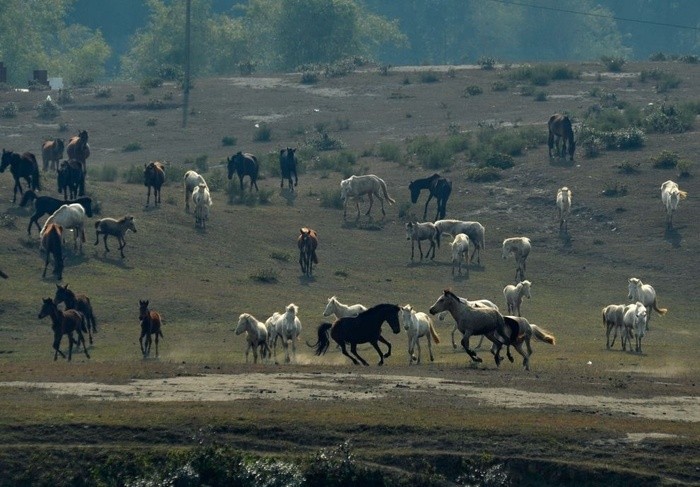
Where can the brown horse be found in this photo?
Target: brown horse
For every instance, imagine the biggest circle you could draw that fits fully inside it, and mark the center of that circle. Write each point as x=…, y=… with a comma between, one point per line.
x=52, y=153
x=78, y=302
x=153, y=177
x=307, y=243
x=78, y=147
x=115, y=228
x=288, y=166
x=244, y=164
x=52, y=244
x=150, y=325
x=560, y=129
x=64, y=323
x=21, y=166
x=71, y=179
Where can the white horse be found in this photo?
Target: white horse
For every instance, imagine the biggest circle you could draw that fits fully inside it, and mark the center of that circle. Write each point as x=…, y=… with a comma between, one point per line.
x=514, y=296
x=415, y=232
x=356, y=186
x=564, y=205
x=671, y=196
x=341, y=310
x=479, y=303
x=474, y=230
x=635, y=320
x=460, y=252
x=256, y=336
x=520, y=248
x=417, y=325
x=613, y=319
x=202, y=202
x=190, y=181
x=638, y=291
x=69, y=216
x=288, y=327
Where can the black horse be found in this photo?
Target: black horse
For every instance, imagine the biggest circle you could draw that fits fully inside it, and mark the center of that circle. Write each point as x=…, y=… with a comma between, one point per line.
x=47, y=205
x=363, y=328
x=71, y=179
x=560, y=130
x=21, y=166
x=440, y=189
x=288, y=166
x=244, y=164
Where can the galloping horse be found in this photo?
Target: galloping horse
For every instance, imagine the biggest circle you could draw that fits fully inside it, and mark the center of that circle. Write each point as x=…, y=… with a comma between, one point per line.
x=64, y=323
x=115, y=228
x=153, y=177
x=47, y=205
x=150, y=325
x=52, y=153
x=560, y=129
x=363, y=328
x=52, y=245
x=244, y=164
x=71, y=179
x=78, y=302
x=288, y=166
x=307, y=243
x=438, y=187
x=78, y=148
x=21, y=166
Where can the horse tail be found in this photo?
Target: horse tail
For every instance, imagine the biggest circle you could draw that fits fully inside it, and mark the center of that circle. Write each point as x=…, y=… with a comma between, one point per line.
x=682, y=194
x=386, y=194
x=544, y=336
x=433, y=333
x=661, y=311
x=83, y=323
x=323, y=340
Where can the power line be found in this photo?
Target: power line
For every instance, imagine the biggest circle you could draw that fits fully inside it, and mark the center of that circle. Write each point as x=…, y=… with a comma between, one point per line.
x=591, y=14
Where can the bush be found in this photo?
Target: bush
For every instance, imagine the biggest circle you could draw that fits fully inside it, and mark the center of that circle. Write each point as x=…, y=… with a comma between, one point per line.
x=130, y=97
x=228, y=141
x=431, y=153
x=541, y=96
x=625, y=139
x=151, y=82
x=390, y=151
x=331, y=199
x=499, y=160
x=262, y=133
x=103, y=173
x=132, y=147
x=613, y=63
x=103, y=92
x=48, y=109
x=339, y=162
x=472, y=90
x=499, y=86
x=615, y=189
x=133, y=174
x=667, y=119
x=267, y=275
x=309, y=78
x=324, y=142
x=429, y=77
x=151, y=122
x=155, y=104
x=10, y=110
x=483, y=174
x=684, y=166
x=665, y=160
x=487, y=63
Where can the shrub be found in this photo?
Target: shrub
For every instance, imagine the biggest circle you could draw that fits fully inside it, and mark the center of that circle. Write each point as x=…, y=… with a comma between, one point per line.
x=499, y=160
x=130, y=97
x=613, y=63
x=103, y=92
x=262, y=133
x=132, y=147
x=431, y=153
x=151, y=82
x=342, y=124
x=615, y=189
x=624, y=139
x=216, y=180
x=472, y=90
x=10, y=110
x=541, y=96
x=390, y=151
x=267, y=275
x=65, y=97
x=429, y=77
x=689, y=59
x=657, y=56
x=684, y=166
x=667, y=119
x=48, y=109
x=499, y=86
x=665, y=160
x=337, y=466
x=133, y=174
x=483, y=174
x=228, y=141
x=628, y=167
x=331, y=199
x=486, y=63
x=527, y=90
x=324, y=142
x=281, y=256
x=151, y=122
x=309, y=78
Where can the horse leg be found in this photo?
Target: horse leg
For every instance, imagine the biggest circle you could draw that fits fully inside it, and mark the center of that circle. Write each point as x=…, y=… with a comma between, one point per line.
x=550, y=143
x=420, y=249
x=425, y=210
x=472, y=353
x=430, y=346
x=454, y=345
x=371, y=201
x=57, y=346
x=285, y=344
x=432, y=246
x=526, y=357
x=156, y=344
x=481, y=340
x=417, y=340
x=410, y=350
x=379, y=351
x=345, y=352
x=122, y=244
x=48, y=256
x=383, y=340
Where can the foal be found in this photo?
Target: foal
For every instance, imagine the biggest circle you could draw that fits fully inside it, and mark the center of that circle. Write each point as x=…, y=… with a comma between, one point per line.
x=78, y=302
x=115, y=228
x=150, y=325
x=64, y=323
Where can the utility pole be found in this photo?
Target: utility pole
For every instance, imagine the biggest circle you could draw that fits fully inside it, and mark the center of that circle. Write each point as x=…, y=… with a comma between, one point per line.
x=186, y=81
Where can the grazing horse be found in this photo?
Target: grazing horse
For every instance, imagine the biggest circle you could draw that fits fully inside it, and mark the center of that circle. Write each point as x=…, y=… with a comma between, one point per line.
x=340, y=310
x=288, y=166
x=244, y=164
x=153, y=177
x=52, y=245
x=460, y=252
x=190, y=181
x=202, y=202
x=363, y=328
x=438, y=187
x=560, y=129
x=514, y=296
x=613, y=319
x=71, y=216
x=115, y=228
x=307, y=243
x=415, y=232
x=287, y=327
x=78, y=147
x=22, y=166
x=417, y=325
x=64, y=323
x=474, y=230
x=46, y=205
x=151, y=324
x=635, y=320
x=78, y=302
x=670, y=197
x=369, y=184
x=638, y=291
x=256, y=336
x=564, y=206
x=52, y=153
x=71, y=179
x=520, y=248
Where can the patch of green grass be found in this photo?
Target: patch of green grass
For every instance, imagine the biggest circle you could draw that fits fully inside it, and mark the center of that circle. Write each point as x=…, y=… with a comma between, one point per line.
x=132, y=147
x=390, y=151
x=266, y=275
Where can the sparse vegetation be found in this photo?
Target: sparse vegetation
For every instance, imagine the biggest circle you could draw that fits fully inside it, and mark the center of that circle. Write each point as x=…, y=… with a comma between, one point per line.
x=48, y=109
x=262, y=133
x=613, y=64
x=132, y=146
x=10, y=110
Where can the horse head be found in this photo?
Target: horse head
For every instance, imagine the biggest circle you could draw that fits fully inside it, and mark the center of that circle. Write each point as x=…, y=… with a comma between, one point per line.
x=47, y=308
x=406, y=312
x=83, y=136
x=415, y=191
x=330, y=306
x=143, y=309
x=633, y=286
x=6, y=159
x=410, y=226
x=393, y=319
x=242, y=323
x=443, y=302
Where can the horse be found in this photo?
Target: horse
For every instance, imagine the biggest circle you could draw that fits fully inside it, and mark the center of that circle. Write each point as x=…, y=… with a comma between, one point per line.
x=78, y=302
x=256, y=336
x=638, y=291
x=46, y=205
x=202, y=202
x=288, y=166
x=474, y=230
x=153, y=177
x=307, y=242
x=460, y=252
x=287, y=327
x=670, y=197
x=635, y=320
x=514, y=295
x=115, y=228
x=415, y=232
x=22, y=166
x=78, y=148
x=151, y=324
x=417, y=325
x=519, y=331
x=369, y=184
x=71, y=179
x=70, y=216
x=520, y=248
x=564, y=206
x=341, y=310
x=363, y=328
x=52, y=245
x=613, y=319
x=479, y=303
x=191, y=180
x=244, y=164
x=560, y=129
x=64, y=323
x=438, y=187
x=52, y=153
